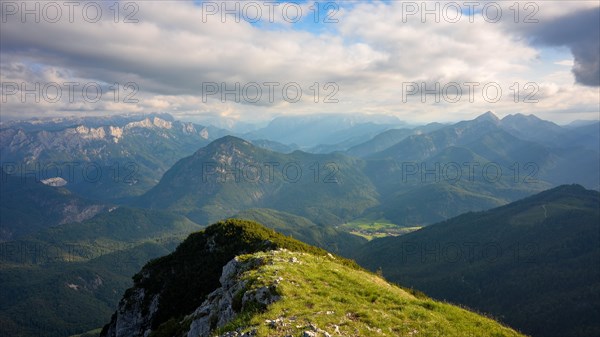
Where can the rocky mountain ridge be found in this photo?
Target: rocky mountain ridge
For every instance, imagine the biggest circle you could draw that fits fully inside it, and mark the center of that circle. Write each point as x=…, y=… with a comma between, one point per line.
x=102, y=158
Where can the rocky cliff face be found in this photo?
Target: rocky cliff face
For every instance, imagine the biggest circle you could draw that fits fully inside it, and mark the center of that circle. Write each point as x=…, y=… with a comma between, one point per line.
x=232, y=298
x=133, y=318
x=238, y=293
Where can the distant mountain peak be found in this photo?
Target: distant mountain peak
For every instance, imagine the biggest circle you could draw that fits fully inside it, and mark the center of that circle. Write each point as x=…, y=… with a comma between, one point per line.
x=227, y=148
x=520, y=116
x=229, y=140
x=563, y=191
x=530, y=127
x=488, y=116
x=530, y=116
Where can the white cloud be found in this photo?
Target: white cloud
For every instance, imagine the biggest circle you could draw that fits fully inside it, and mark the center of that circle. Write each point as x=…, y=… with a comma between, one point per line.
x=369, y=54
x=567, y=63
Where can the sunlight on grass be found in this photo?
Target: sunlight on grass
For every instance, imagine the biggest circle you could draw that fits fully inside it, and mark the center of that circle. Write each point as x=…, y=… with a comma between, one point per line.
x=318, y=294
x=376, y=229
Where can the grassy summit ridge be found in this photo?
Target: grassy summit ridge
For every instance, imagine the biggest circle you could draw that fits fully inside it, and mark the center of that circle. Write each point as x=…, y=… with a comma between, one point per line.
x=321, y=296
x=278, y=287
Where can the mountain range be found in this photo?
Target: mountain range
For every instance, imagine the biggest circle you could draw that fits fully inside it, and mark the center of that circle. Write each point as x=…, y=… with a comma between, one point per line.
x=408, y=177
x=102, y=158
x=428, y=175
x=354, y=186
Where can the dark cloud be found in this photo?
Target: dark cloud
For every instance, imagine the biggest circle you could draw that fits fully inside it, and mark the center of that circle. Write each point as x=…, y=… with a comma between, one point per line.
x=580, y=31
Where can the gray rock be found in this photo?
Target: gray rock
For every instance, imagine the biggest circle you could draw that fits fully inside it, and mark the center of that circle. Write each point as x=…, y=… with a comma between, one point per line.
x=129, y=319
x=220, y=307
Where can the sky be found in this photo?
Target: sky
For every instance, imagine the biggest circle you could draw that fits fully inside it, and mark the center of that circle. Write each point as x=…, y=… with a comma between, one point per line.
x=254, y=60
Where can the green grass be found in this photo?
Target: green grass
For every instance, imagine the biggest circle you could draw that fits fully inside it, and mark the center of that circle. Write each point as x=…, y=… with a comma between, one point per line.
x=319, y=292
x=375, y=229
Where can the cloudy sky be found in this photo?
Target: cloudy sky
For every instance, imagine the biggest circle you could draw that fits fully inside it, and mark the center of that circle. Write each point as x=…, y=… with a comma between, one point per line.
x=253, y=60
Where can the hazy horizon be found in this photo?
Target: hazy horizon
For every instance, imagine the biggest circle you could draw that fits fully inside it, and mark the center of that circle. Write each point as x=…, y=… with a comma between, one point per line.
x=221, y=121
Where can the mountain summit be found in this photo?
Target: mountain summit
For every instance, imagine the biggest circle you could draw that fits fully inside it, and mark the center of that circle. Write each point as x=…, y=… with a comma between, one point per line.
x=230, y=175
x=238, y=278
x=488, y=116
